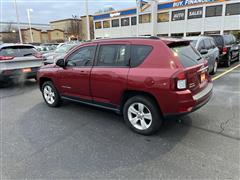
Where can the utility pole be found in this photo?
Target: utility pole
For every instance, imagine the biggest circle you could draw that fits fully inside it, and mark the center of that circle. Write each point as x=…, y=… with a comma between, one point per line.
x=137, y=18
x=18, y=24
x=29, y=22
x=87, y=16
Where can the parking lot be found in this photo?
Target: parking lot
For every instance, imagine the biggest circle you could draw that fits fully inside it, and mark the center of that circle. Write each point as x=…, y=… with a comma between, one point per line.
x=77, y=141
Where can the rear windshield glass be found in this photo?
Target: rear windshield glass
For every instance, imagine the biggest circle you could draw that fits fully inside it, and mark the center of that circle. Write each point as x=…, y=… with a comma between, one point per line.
x=187, y=55
x=218, y=40
x=17, y=51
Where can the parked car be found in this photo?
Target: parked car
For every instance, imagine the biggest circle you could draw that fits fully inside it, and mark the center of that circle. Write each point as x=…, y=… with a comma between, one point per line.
x=228, y=48
x=144, y=79
x=208, y=49
x=49, y=58
x=18, y=61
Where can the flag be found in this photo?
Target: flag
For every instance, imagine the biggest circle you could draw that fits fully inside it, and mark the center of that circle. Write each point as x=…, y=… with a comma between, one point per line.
x=143, y=4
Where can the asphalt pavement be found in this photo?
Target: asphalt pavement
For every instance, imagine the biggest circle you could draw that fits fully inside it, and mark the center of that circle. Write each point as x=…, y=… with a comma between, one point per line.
x=81, y=142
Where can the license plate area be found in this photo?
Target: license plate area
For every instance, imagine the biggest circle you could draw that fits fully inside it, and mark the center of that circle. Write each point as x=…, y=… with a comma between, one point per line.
x=26, y=70
x=202, y=77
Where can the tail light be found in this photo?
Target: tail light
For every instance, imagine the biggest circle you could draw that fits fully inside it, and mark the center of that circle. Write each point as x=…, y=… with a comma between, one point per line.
x=225, y=50
x=2, y=58
x=180, y=81
x=38, y=55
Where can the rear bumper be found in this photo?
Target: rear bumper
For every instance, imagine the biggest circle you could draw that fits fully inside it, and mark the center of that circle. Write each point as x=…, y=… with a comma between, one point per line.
x=8, y=75
x=197, y=101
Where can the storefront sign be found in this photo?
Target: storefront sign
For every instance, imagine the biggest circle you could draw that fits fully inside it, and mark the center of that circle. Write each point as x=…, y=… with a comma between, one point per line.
x=115, y=14
x=183, y=3
x=195, y=13
x=178, y=15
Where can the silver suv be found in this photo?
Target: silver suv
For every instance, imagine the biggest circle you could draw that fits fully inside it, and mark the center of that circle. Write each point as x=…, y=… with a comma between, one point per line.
x=208, y=49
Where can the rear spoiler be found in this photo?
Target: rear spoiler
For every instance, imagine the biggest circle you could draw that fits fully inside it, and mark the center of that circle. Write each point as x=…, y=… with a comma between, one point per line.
x=178, y=43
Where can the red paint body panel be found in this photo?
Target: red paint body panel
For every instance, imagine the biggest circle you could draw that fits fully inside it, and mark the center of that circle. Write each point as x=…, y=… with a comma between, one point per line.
x=154, y=76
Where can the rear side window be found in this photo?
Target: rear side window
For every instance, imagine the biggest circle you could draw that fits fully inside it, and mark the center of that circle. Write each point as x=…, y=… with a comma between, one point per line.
x=188, y=55
x=113, y=55
x=17, y=51
x=139, y=54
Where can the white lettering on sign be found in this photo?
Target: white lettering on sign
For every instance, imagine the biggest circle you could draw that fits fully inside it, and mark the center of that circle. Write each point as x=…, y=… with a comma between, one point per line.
x=114, y=14
x=190, y=2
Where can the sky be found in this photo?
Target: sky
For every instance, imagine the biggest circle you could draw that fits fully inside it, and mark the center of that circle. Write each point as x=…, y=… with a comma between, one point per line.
x=45, y=11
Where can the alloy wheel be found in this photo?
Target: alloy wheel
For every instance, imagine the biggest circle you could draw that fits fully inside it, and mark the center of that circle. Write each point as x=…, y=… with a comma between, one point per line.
x=49, y=94
x=140, y=116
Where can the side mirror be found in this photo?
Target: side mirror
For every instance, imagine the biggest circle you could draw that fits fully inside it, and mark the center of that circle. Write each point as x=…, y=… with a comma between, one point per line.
x=203, y=51
x=60, y=63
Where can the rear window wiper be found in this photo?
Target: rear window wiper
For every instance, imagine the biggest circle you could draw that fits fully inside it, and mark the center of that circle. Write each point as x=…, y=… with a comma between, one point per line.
x=29, y=54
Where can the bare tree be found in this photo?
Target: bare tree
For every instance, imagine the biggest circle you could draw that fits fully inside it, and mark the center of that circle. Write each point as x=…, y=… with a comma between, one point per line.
x=103, y=10
x=11, y=34
x=74, y=28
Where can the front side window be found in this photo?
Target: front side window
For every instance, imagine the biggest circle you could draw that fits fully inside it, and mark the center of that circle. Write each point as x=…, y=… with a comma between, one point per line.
x=178, y=15
x=98, y=25
x=145, y=18
x=113, y=55
x=115, y=23
x=163, y=17
x=82, y=57
x=133, y=20
x=106, y=24
x=212, y=11
x=125, y=22
x=232, y=9
x=139, y=54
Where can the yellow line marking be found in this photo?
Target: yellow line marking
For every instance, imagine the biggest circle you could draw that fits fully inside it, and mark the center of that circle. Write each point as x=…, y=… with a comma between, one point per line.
x=228, y=71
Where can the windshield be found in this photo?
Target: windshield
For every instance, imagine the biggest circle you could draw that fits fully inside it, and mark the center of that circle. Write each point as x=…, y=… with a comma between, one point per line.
x=64, y=48
x=187, y=55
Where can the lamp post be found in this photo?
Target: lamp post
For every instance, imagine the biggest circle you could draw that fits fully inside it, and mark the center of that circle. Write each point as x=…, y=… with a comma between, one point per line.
x=18, y=24
x=87, y=21
x=29, y=22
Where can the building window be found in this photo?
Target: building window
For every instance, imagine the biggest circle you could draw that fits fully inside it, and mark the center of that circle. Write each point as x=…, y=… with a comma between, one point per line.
x=212, y=11
x=195, y=13
x=163, y=17
x=145, y=18
x=232, y=9
x=193, y=34
x=178, y=15
x=98, y=25
x=125, y=22
x=177, y=35
x=106, y=24
x=115, y=23
x=133, y=20
x=162, y=35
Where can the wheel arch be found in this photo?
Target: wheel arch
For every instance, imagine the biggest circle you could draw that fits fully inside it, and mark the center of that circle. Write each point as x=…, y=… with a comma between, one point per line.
x=131, y=93
x=42, y=80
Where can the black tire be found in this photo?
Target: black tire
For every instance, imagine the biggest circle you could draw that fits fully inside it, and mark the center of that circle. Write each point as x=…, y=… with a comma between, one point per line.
x=214, y=71
x=228, y=62
x=57, y=99
x=150, y=106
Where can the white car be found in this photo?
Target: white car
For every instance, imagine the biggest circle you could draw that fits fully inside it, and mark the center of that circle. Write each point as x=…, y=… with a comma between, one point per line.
x=18, y=61
x=208, y=49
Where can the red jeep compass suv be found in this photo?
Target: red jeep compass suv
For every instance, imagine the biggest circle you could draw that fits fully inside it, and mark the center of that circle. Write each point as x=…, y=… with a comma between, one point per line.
x=145, y=79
